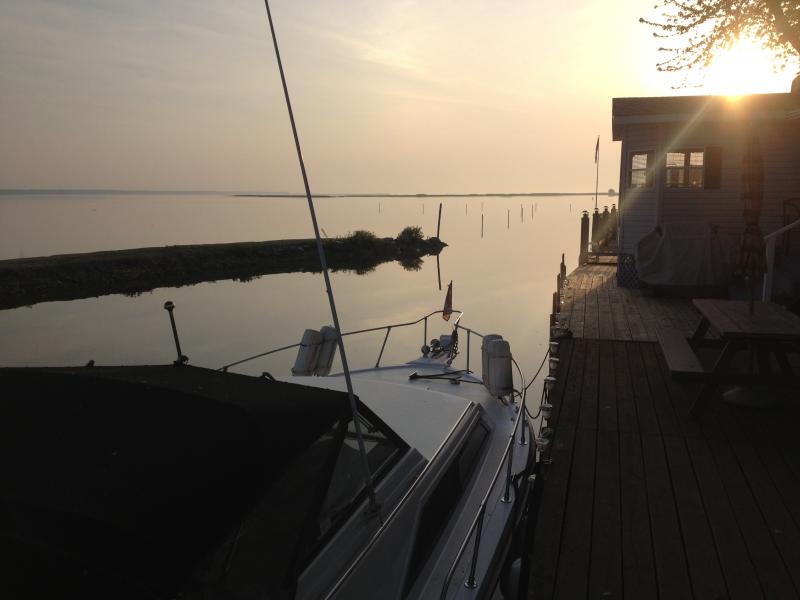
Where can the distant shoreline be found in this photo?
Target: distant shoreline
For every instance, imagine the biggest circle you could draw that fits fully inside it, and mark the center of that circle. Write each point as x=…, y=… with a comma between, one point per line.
x=28, y=281
x=77, y=192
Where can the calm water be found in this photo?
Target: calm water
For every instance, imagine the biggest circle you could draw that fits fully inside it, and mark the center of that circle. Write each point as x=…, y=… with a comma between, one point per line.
x=503, y=280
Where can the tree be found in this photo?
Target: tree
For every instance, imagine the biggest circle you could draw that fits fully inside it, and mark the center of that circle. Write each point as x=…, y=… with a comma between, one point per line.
x=704, y=27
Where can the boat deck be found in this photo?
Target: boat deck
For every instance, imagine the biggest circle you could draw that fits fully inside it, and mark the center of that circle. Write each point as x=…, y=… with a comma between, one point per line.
x=641, y=501
x=594, y=307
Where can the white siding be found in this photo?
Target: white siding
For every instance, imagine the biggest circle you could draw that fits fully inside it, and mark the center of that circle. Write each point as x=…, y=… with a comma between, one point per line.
x=638, y=206
x=780, y=146
x=721, y=207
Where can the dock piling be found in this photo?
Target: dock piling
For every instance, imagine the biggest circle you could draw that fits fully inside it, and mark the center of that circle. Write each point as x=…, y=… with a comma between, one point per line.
x=583, y=255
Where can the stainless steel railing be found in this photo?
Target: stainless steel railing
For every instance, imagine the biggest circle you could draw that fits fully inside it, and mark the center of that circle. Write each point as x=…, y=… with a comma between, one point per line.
x=387, y=328
x=476, y=528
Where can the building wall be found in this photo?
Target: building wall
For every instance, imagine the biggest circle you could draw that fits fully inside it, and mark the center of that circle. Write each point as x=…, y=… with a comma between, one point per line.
x=780, y=146
x=721, y=207
x=638, y=206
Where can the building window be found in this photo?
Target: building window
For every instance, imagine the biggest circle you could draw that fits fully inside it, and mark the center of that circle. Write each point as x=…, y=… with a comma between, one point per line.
x=686, y=169
x=639, y=175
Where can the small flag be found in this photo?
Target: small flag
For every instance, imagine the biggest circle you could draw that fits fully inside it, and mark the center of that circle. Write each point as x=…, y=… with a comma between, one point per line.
x=597, y=150
x=448, y=303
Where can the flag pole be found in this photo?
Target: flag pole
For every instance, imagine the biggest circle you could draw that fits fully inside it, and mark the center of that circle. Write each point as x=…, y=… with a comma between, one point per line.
x=597, y=170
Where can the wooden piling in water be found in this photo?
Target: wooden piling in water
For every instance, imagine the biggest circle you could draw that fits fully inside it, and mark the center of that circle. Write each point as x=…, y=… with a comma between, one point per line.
x=439, y=221
x=481, y=225
x=509, y=218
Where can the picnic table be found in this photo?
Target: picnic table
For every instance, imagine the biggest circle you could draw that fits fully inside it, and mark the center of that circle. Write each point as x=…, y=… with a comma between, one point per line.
x=769, y=332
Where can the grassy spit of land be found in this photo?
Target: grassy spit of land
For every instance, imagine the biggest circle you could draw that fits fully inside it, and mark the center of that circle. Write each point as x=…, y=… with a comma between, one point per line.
x=27, y=281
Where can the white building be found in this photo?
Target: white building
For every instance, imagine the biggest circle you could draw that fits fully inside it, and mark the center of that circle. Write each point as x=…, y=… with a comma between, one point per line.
x=681, y=161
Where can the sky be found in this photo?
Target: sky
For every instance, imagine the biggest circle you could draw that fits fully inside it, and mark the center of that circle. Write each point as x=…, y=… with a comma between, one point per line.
x=402, y=96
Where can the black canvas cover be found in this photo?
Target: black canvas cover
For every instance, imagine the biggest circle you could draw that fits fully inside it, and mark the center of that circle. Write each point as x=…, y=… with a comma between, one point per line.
x=127, y=481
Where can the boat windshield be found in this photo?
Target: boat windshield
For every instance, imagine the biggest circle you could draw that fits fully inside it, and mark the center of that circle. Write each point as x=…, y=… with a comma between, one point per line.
x=160, y=482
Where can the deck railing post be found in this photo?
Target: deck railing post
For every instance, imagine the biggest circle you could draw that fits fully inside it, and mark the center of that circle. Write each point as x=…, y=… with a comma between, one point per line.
x=471, y=583
x=770, y=273
x=469, y=331
x=506, y=494
x=388, y=331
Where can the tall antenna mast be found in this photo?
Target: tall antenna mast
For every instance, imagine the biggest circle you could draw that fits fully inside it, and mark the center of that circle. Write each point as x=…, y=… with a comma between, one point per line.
x=324, y=264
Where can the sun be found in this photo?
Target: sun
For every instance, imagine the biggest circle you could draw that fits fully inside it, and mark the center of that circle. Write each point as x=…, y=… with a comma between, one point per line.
x=745, y=68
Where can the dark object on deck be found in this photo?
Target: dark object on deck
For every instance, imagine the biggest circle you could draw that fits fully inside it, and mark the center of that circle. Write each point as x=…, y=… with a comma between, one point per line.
x=627, y=276
x=145, y=482
x=752, y=262
x=691, y=257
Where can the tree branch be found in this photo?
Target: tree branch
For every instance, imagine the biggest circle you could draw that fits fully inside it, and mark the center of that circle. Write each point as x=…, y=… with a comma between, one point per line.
x=782, y=25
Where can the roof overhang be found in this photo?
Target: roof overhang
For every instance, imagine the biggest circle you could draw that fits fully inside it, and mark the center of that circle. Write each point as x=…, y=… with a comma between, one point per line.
x=684, y=109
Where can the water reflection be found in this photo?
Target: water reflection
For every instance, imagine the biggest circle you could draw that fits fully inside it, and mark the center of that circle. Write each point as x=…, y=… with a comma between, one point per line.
x=504, y=278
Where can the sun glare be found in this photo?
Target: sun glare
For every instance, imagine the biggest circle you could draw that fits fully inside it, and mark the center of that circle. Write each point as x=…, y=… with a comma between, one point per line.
x=746, y=68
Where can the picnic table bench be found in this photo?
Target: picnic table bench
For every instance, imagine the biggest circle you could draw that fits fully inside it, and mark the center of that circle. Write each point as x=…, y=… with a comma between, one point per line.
x=769, y=331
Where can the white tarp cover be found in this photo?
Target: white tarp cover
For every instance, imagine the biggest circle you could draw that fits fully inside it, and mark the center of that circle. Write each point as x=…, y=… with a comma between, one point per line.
x=684, y=254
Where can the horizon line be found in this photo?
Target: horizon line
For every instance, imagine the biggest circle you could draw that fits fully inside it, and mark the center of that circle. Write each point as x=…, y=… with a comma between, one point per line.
x=242, y=194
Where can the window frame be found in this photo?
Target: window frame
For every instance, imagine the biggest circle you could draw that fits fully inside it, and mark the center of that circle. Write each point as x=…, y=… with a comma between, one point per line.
x=454, y=473
x=304, y=556
x=687, y=166
x=649, y=173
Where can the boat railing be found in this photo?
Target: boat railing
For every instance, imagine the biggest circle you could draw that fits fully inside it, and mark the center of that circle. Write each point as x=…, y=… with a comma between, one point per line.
x=387, y=328
x=770, y=239
x=476, y=528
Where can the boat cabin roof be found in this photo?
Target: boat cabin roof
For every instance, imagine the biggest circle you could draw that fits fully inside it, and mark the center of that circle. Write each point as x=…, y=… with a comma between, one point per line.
x=132, y=481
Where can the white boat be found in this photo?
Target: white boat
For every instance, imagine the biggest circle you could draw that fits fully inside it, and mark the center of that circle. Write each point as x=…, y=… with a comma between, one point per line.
x=450, y=506
x=178, y=481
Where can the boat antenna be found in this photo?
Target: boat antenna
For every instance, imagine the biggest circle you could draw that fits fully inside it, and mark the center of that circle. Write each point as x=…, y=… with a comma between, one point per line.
x=373, y=504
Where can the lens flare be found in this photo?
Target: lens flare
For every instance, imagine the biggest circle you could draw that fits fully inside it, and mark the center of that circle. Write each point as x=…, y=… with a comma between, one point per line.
x=746, y=68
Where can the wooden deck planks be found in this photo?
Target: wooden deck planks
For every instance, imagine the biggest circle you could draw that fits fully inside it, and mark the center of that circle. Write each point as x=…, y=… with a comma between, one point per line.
x=574, y=554
x=732, y=548
x=544, y=557
x=701, y=554
x=595, y=307
x=642, y=502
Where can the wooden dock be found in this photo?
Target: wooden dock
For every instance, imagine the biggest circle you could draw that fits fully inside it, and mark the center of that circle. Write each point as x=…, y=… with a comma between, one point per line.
x=594, y=307
x=641, y=501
